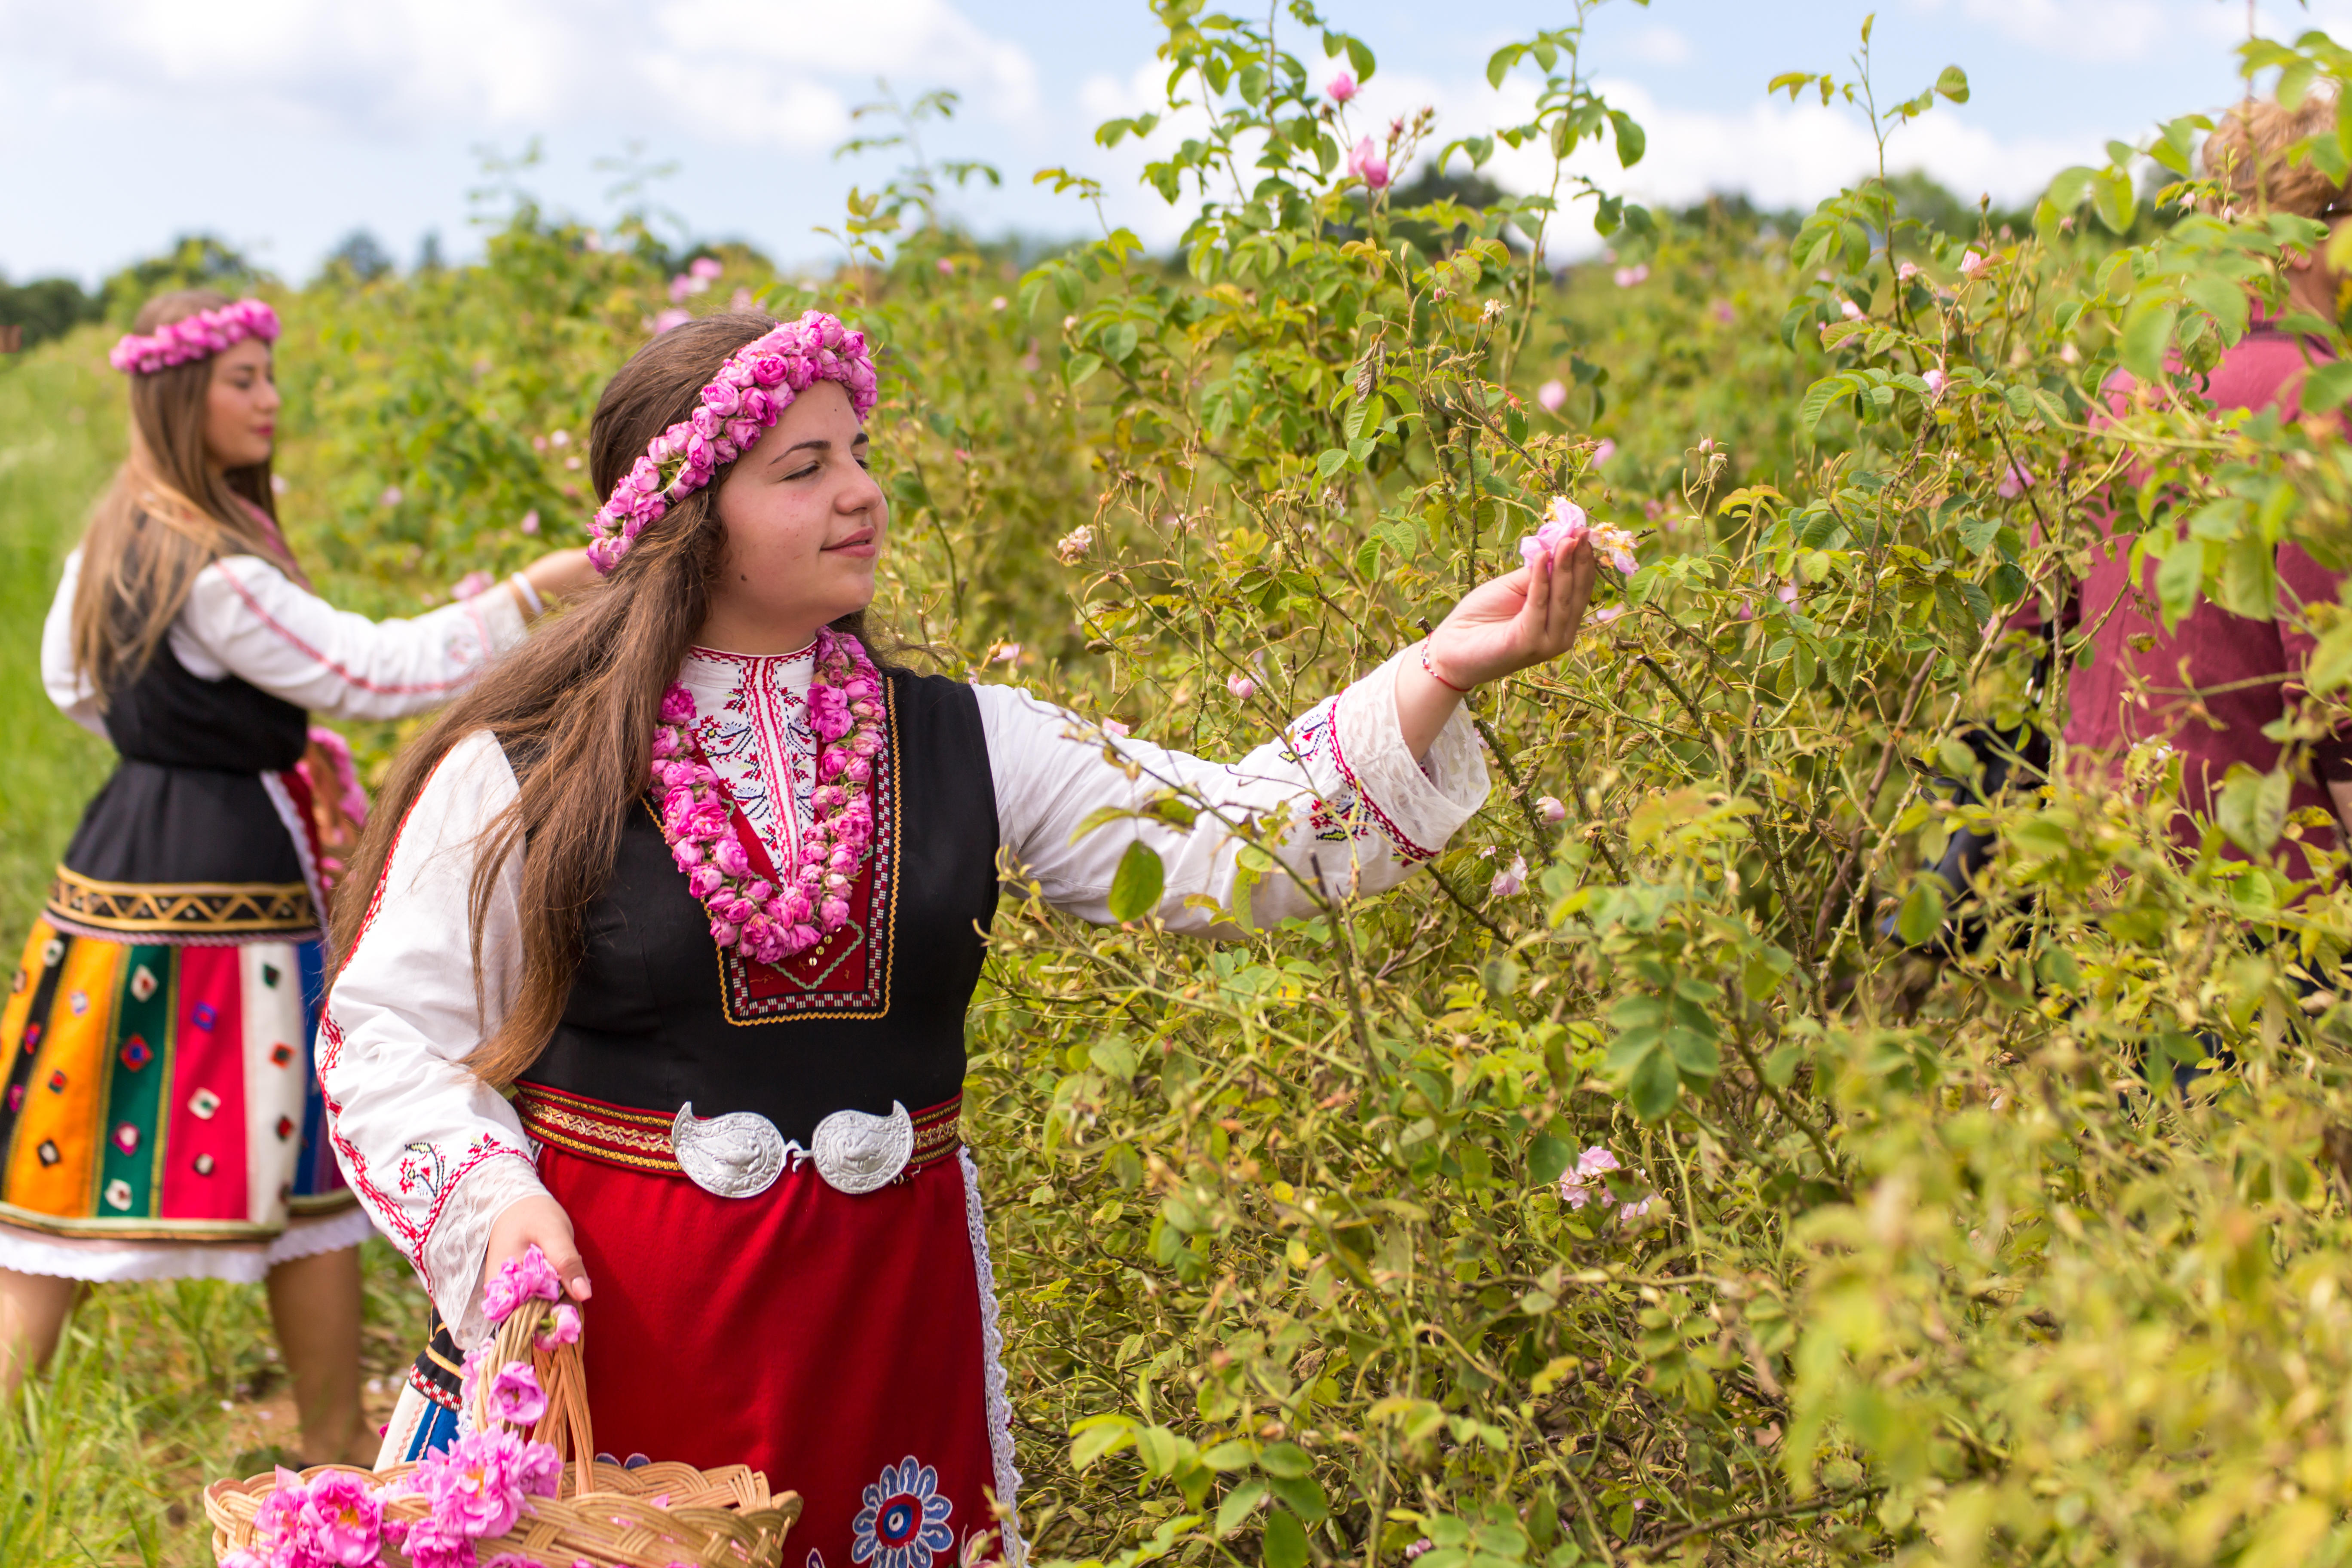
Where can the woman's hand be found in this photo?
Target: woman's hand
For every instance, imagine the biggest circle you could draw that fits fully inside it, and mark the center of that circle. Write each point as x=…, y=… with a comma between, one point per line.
x=1524, y=618
x=543, y=1220
x=1519, y=619
x=559, y=575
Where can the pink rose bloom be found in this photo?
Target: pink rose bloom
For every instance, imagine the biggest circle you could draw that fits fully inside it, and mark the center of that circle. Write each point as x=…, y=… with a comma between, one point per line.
x=530, y=523
x=1583, y=1184
x=1907, y=271
x=679, y=288
x=516, y=1397
x=1603, y=452
x=1722, y=312
x=1550, y=809
x=1241, y=686
x=676, y=705
x=1342, y=88
x=471, y=583
x=721, y=398
x=705, y=268
x=565, y=1329
x=704, y=880
x=730, y=854
x=1606, y=614
x=769, y=369
x=1368, y=165
x=521, y=1279
x=676, y=316
x=761, y=407
x=1632, y=277
x=1786, y=593
x=1936, y=381
x=344, y=1522
x=1974, y=265
x=1551, y=394
x=2016, y=481
x=1564, y=524
x=1510, y=878
x=429, y=1546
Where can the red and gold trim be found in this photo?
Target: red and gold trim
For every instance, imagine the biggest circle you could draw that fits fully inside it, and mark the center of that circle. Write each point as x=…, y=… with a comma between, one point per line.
x=639, y=1140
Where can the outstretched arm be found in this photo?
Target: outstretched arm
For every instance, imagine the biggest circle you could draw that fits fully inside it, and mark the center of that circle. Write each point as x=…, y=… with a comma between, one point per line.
x=1369, y=784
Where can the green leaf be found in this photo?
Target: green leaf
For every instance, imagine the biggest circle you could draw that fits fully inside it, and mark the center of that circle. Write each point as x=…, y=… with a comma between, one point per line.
x=1136, y=886
x=1546, y=1158
x=1080, y=366
x=1285, y=1541
x=2148, y=333
x=2326, y=387
x=2112, y=198
x=1953, y=83
x=1285, y=1459
x=1631, y=141
x=1922, y=914
x=1500, y=62
x=1231, y=1455
x=1237, y=1505
x=2178, y=579
x=1302, y=1497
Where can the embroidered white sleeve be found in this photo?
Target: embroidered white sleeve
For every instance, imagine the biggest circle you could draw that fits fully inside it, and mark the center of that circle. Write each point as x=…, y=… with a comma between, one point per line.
x=73, y=696
x=1362, y=812
x=245, y=617
x=432, y=1151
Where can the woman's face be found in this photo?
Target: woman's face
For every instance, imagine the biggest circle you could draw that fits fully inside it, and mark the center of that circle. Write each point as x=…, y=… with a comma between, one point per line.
x=803, y=522
x=241, y=406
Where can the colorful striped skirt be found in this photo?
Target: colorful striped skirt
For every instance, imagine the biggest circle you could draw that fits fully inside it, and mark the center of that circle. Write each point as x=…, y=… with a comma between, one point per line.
x=160, y=1099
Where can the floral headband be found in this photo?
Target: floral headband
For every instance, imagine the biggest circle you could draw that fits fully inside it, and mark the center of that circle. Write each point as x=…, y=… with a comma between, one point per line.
x=200, y=336
x=746, y=398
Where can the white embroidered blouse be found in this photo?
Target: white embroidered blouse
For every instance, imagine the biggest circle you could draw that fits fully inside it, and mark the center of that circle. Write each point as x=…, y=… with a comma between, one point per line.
x=245, y=617
x=436, y=1155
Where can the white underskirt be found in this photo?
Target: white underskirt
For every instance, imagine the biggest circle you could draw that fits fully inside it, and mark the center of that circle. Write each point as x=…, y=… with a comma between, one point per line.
x=98, y=1259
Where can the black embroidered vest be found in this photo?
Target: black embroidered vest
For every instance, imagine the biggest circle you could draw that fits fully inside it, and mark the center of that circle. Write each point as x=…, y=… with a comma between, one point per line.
x=659, y=1015
x=183, y=840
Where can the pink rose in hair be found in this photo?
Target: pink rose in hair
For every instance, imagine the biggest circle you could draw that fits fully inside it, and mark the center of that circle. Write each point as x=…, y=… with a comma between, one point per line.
x=722, y=398
x=769, y=369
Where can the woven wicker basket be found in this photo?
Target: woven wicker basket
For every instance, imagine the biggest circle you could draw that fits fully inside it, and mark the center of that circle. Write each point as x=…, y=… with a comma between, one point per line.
x=651, y=1517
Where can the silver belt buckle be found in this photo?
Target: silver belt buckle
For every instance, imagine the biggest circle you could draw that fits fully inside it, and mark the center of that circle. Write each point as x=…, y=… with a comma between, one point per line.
x=740, y=1154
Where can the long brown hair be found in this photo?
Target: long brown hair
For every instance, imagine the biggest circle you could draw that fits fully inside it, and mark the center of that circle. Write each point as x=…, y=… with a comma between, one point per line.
x=169, y=514
x=574, y=707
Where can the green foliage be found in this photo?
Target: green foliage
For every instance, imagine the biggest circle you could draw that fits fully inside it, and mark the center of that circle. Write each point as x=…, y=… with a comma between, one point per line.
x=1663, y=1208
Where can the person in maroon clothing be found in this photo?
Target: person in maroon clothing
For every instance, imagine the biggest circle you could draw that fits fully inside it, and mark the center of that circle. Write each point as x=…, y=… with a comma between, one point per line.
x=2210, y=686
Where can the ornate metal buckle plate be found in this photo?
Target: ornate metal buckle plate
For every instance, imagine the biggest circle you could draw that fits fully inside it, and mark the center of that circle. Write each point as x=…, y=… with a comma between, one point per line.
x=739, y=1155
x=857, y=1152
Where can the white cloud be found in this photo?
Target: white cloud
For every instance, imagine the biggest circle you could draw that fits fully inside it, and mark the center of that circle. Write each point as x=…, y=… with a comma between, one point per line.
x=1657, y=46
x=764, y=73
x=2102, y=32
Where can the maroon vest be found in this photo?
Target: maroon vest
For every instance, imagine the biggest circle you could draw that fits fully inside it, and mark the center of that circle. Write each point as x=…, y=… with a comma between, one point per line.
x=660, y=1015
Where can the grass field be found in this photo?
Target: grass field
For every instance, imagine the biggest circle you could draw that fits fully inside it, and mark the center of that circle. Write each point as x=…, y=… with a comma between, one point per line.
x=160, y=1388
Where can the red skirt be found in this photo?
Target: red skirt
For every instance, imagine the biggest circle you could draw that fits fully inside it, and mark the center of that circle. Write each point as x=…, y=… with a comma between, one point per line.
x=845, y=1345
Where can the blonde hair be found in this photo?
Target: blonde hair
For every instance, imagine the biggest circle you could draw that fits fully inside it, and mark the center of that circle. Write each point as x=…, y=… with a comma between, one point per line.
x=169, y=514
x=2248, y=154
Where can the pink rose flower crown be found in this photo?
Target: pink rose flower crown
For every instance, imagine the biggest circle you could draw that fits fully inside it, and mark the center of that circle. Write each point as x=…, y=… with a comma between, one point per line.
x=741, y=403
x=200, y=336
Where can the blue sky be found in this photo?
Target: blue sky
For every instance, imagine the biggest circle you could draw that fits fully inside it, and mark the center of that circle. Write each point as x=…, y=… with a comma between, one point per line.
x=283, y=125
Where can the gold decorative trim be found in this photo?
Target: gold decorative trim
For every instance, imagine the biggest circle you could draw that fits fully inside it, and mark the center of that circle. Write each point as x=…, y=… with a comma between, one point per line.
x=184, y=909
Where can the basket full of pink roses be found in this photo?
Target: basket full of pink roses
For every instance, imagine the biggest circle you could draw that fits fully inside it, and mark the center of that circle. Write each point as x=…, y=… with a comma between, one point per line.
x=521, y=1488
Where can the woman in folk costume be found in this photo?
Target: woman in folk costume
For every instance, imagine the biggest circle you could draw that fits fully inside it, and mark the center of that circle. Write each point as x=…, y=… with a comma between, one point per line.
x=160, y=1116
x=705, y=887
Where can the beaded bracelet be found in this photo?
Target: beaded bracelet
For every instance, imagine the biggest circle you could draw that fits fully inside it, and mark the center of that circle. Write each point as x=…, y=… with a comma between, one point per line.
x=1431, y=670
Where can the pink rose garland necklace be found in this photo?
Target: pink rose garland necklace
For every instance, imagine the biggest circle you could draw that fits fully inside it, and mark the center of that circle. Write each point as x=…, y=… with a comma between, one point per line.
x=810, y=899
x=771, y=923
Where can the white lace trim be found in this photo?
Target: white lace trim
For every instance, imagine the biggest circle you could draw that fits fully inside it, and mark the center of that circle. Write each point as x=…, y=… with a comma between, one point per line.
x=991, y=1349
x=100, y=1260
